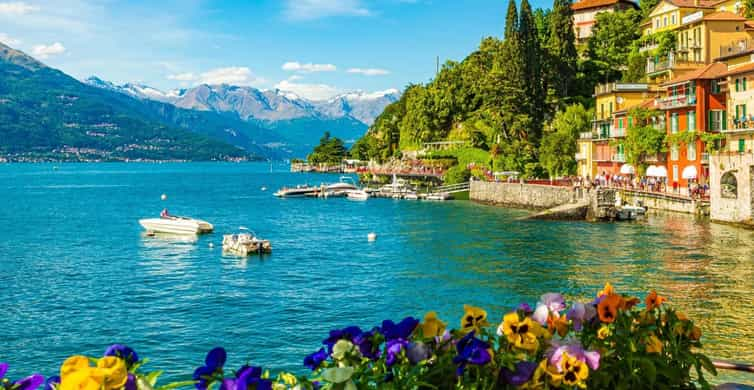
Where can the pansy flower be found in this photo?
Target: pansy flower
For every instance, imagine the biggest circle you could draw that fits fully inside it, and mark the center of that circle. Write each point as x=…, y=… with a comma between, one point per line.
x=213, y=364
x=579, y=314
x=471, y=350
x=521, y=333
x=124, y=352
x=432, y=326
x=550, y=304
x=522, y=374
x=653, y=344
x=31, y=382
x=347, y=333
x=607, y=309
x=247, y=377
x=474, y=319
x=574, y=372
x=653, y=300
x=574, y=349
x=76, y=373
x=401, y=330
x=367, y=346
x=314, y=360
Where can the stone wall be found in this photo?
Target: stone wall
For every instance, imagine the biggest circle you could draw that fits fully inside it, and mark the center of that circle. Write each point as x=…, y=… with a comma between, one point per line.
x=732, y=206
x=531, y=196
x=662, y=202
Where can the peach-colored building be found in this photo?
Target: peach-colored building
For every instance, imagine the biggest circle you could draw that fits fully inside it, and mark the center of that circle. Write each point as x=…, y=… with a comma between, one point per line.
x=585, y=14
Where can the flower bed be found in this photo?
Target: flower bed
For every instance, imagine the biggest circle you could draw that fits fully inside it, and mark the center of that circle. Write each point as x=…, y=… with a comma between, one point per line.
x=613, y=342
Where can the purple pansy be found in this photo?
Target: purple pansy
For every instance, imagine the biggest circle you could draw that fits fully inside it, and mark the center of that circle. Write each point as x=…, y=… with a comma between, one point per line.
x=573, y=348
x=416, y=352
x=247, y=376
x=580, y=313
x=366, y=345
x=31, y=382
x=124, y=352
x=3, y=369
x=524, y=372
x=314, y=360
x=548, y=303
x=393, y=348
x=347, y=333
x=401, y=330
x=131, y=382
x=471, y=351
x=52, y=382
x=213, y=363
x=525, y=308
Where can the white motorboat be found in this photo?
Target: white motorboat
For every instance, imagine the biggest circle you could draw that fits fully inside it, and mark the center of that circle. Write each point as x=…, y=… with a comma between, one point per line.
x=629, y=212
x=298, y=191
x=245, y=244
x=439, y=196
x=357, y=195
x=344, y=186
x=176, y=225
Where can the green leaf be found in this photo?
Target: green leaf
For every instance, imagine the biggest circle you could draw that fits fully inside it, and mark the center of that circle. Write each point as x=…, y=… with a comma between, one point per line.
x=707, y=363
x=151, y=378
x=175, y=385
x=648, y=370
x=338, y=374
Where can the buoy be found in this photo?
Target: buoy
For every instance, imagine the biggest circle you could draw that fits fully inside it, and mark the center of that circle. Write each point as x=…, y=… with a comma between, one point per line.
x=264, y=188
x=164, y=197
x=211, y=245
x=372, y=237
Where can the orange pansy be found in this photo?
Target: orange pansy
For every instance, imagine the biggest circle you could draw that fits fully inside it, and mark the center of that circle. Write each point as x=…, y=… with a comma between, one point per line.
x=557, y=324
x=608, y=308
x=653, y=300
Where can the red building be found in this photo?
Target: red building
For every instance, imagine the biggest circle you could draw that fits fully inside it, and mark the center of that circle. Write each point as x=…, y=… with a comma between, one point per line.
x=693, y=103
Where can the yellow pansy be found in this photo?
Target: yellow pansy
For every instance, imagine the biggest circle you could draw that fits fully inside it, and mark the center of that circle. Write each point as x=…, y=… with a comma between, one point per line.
x=432, y=326
x=288, y=378
x=77, y=374
x=574, y=372
x=474, y=318
x=521, y=334
x=607, y=290
x=654, y=345
x=603, y=332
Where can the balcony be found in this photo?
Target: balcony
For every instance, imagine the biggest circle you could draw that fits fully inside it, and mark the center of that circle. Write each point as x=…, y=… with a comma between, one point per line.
x=603, y=89
x=670, y=63
x=656, y=158
x=619, y=158
x=677, y=101
x=648, y=47
x=580, y=156
x=740, y=125
x=737, y=47
x=586, y=135
x=617, y=132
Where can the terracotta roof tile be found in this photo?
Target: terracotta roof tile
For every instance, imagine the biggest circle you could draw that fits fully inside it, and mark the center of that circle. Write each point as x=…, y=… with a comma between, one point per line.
x=695, y=3
x=712, y=71
x=724, y=15
x=587, y=4
x=740, y=69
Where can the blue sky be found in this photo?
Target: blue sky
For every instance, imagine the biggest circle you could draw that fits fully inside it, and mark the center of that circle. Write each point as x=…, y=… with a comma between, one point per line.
x=315, y=48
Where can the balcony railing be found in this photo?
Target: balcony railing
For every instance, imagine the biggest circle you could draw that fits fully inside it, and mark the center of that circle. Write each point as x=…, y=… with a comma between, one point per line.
x=648, y=47
x=617, y=132
x=736, y=47
x=601, y=89
x=586, y=135
x=619, y=158
x=739, y=124
x=580, y=156
x=676, y=101
x=656, y=158
x=670, y=63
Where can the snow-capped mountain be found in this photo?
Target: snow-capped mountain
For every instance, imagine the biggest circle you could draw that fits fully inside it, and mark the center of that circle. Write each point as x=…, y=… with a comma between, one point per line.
x=267, y=105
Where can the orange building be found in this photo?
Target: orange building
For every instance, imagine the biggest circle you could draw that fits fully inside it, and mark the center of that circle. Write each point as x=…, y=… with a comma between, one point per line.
x=695, y=103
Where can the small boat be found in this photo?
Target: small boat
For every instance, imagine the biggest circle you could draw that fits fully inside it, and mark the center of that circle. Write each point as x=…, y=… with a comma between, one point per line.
x=357, y=195
x=411, y=196
x=298, y=191
x=629, y=212
x=440, y=196
x=176, y=225
x=245, y=244
x=345, y=185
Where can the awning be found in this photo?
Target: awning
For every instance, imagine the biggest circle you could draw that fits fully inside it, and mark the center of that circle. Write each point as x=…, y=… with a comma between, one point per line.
x=627, y=169
x=689, y=172
x=657, y=171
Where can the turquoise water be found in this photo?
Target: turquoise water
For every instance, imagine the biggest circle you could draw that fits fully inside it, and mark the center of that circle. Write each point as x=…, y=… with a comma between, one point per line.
x=76, y=274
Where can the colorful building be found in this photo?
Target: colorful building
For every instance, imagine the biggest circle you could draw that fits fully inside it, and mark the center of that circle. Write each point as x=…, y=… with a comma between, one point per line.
x=693, y=103
x=585, y=14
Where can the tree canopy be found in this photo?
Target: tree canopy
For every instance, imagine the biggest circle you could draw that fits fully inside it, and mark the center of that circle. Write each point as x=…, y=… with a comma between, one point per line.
x=330, y=150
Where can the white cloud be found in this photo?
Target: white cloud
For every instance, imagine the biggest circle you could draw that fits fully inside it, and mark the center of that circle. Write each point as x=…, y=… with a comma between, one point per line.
x=234, y=75
x=295, y=66
x=316, y=9
x=369, y=71
x=45, y=51
x=8, y=40
x=182, y=77
x=17, y=8
x=308, y=91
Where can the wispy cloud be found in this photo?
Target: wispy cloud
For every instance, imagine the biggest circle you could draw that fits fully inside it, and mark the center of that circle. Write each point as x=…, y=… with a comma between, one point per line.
x=308, y=91
x=8, y=40
x=232, y=75
x=45, y=51
x=317, y=9
x=16, y=8
x=369, y=71
x=183, y=77
x=308, y=68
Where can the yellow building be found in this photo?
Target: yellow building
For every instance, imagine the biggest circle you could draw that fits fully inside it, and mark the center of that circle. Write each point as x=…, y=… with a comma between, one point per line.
x=585, y=166
x=701, y=36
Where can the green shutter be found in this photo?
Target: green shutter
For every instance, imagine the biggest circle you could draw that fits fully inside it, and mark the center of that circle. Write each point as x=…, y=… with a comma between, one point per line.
x=709, y=119
x=725, y=120
x=741, y=145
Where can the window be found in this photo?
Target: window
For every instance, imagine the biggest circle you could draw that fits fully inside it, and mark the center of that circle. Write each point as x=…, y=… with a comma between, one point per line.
x=691, y=151
x=674, y=153
x=675, y=172
x=611, y=108
x=738, y=85
x=664, y=21
x=743, y=84
x=691, y=121
x=716, y=120
x=672, y=19
x=620, y=123
x=657, y=23
x=729, y=185
x=691, y=91
x=715, y=86
x=741, y=145
x=674, y=122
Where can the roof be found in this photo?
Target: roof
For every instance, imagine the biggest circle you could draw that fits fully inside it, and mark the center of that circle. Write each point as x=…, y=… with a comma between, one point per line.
x=740, y=69
x=712, y=71
x=587, y=4
x=649, y=103
x=695, y=3
x=749, y=24
x=724, y=15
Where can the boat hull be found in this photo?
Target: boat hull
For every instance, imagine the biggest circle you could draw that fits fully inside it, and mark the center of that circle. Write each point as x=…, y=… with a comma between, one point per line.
x=176, y=225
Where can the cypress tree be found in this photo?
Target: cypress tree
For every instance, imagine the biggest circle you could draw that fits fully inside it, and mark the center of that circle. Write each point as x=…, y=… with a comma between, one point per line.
x=511, y=20
x=562, y=49
x=515, y=101
x=532, y=54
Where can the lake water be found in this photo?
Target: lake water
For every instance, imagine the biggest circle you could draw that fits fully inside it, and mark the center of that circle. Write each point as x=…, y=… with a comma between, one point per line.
x=76, y=274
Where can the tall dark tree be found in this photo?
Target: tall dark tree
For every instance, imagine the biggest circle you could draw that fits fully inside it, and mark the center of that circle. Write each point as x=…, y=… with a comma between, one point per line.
x=562, y=49
x=511, y=20
x=532, y=54
x=513, y=92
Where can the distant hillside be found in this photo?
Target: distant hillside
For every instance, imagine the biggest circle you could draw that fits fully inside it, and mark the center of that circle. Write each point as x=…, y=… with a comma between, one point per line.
x=45, y=113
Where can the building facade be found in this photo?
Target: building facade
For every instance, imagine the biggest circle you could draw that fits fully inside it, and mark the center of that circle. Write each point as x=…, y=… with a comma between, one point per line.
x=585, y=15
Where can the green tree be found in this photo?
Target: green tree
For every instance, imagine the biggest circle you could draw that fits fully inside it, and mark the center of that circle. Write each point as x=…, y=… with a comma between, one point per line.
x=556, y=154
x=330, y=150
x=642, y=138
x=562, y=50
x=511, y=20
x=647, y=6
x=542, y=20
x=612, y=39
x=532, y=54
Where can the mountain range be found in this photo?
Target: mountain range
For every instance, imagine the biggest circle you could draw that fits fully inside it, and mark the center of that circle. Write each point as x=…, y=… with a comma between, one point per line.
x=50, y=114
x=266, y=105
